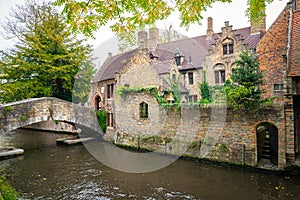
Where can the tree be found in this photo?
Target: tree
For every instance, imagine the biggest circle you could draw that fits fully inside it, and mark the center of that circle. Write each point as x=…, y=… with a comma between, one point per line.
x=204, y=90
x=169, y=35
x=82, y=85
x=244, y=91
x=86, y=16
x=47, y=57
x=126, y=42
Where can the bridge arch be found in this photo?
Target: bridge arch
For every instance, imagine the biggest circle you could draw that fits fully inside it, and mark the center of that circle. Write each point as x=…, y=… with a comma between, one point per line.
x=30, y=111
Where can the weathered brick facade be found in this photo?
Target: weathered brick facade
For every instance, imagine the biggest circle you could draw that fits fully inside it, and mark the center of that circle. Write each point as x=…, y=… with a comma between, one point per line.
x=279, y=60
x=214, y=54
x=272, y=56
x=216, y=60
x=218, y=133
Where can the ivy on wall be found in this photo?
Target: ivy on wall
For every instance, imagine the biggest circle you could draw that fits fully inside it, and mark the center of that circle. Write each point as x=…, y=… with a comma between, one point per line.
x=123, y=91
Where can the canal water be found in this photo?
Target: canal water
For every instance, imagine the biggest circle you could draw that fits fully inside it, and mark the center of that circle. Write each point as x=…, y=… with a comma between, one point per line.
x=48, y=171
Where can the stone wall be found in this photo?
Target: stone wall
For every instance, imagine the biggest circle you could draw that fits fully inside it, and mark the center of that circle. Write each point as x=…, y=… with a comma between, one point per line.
x=197, y=78
x=212, y=132
x=31, y=111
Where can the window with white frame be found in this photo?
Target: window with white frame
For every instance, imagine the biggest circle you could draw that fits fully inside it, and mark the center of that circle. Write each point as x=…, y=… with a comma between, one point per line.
x=228, y=47
x=278, y=87
x=219, y=71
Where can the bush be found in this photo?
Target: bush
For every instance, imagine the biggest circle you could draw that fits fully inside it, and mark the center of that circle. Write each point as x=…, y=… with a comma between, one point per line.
x=205, y=93
x=101, y=116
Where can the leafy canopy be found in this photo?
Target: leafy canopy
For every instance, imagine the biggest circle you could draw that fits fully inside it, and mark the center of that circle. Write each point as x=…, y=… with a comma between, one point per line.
x=45, y=60
x=243, y=91
x=86, y=16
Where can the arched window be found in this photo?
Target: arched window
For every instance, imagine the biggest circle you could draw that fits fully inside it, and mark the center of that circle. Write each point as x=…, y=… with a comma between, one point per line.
x=219, y=70
x=227, y=46
x=143, y=110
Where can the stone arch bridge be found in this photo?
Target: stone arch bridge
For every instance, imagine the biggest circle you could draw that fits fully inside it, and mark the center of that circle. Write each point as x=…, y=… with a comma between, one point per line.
x=30, y=111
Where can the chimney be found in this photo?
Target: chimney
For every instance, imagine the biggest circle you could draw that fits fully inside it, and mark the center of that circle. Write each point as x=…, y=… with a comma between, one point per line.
x=109, y=54
x=210, y=30
x=143, y=39
x=260, y=27
x=153, y=38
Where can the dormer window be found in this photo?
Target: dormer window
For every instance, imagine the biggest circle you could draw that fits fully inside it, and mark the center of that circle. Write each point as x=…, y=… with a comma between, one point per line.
x=178, y=57
x=228, y=47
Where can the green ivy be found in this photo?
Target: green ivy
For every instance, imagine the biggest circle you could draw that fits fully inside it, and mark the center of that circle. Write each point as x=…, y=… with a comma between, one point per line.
x=123, y=91
x=23, y=118
x=7, y=110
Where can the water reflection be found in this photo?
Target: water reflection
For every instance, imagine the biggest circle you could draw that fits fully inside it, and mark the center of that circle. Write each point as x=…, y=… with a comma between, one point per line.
x=48, y=171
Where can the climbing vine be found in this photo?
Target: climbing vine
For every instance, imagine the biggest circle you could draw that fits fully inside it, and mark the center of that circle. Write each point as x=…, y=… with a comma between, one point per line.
x=123, y=91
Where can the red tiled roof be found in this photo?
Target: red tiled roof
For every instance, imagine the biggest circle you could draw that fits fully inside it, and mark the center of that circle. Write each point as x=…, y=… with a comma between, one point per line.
x=294, y=57
x=163, y=67
x=195, y=48
x=112, y=65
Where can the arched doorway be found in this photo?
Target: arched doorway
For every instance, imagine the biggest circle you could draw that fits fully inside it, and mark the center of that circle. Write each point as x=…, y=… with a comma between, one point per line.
x=267, y=142
x=97, y=102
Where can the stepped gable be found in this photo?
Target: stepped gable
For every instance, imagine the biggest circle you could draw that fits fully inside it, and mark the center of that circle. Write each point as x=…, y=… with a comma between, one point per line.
x=294, y=57
x=193, y=49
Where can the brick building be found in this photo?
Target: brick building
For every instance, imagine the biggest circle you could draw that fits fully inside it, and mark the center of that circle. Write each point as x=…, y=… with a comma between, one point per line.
x=279, y=58
x=155, y=65
x=183, y=60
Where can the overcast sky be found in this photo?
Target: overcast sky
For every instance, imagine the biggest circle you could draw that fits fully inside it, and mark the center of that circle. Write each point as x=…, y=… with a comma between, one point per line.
x=220, y=12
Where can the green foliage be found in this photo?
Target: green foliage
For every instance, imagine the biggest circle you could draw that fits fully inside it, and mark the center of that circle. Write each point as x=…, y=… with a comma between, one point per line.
x=101, y=116
x=47, y=57
x=244, y=92
x=156, y=139
x=7, y=109
x=123, y=91
x=194, y=144
x=82, y=86
x=204, y=101
x=169, y=35
x=218, y=94
x=224, y=147
x=23, y=118
x=7, y=192
x=128, y=16
x=247, y=72
x=126, y=42
x=205, y=93
x=174, y=85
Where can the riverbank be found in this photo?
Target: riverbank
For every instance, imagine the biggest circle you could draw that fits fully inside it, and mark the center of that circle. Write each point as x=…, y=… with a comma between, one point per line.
x=291, y=170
